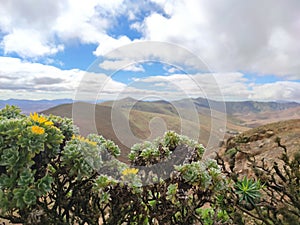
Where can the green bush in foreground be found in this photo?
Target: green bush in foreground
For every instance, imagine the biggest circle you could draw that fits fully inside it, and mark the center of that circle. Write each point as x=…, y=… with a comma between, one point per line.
x=51, y=175
x=271, y=196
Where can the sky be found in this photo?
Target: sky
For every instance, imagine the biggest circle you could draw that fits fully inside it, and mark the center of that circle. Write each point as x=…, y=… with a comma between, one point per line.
x=153, y=49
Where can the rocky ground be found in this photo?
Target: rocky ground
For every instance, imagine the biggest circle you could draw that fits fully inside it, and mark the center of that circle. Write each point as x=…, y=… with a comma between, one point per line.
x=261, y=143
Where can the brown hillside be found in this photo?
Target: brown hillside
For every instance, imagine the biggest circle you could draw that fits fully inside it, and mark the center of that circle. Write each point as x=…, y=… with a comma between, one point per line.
x=145, y=125
x=251, y=119
x=260, y=142
x=148, y=120
x=87, y=126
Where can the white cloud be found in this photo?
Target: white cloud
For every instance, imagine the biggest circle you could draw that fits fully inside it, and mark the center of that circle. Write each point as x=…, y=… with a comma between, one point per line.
x=28, y=43
x=261, y=37
x=161, y=84
x=20, y=79
x=135, y=68
x=85, y=21
x=107, y=44
x=281, y=90
x=151, y=51
x=34, y=29
x=256, y=36
x=231, y=86
x=172, y=70
x=27, y=27
x=116, y=65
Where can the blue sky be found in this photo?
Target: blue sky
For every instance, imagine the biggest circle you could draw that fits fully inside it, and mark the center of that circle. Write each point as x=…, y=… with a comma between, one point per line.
x=244, y=50
x=76, y=55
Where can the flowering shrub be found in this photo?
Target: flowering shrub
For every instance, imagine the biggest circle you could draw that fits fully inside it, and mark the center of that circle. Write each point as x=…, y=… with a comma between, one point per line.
x=26, y=145
x=49, y=174
x=45, y=167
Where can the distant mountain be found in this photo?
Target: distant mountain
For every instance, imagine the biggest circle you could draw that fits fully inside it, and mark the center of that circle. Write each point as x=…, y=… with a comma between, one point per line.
x=28, y=106
x=243, y=113
x=147, y=119
x=144, y=121
x=258, y=107
x=162, y=107
x=238, y=107
x=230, y=107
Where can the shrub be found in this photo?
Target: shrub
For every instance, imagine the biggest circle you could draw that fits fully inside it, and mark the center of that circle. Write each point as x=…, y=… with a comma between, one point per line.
x=47, y=169
x=271, y=197
x=49, y=174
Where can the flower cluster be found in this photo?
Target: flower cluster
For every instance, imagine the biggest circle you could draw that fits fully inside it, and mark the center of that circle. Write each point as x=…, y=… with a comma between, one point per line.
x=40, y=119
x=37, y=130
x=129, y=171
x=27, y=145
x=45, y=165
x=85, y=140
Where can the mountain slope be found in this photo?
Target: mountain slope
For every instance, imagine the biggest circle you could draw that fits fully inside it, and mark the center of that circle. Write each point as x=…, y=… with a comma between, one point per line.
x=240, y=107
x=129, y=121
x=162, y=107
x=252, y=120
x=260, y=142
x=127, y=126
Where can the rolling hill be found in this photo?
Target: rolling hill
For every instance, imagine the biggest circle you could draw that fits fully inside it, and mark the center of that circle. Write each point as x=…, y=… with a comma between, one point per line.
x=129, y=121
x=140, y=126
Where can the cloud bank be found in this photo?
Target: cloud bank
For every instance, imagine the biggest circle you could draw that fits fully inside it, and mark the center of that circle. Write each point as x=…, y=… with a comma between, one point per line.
x=21, y=79
x=232, y=37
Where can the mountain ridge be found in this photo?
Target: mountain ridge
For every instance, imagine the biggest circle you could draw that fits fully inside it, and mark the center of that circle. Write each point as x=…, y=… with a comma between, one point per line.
x=231, y=107
x=28, y=106
x=146, y=119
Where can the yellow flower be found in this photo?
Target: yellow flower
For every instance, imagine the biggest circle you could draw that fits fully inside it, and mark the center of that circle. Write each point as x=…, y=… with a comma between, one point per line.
x=40, y=119
x=83, y=139
x=91, y=142
x=34, y=116
x=49, y=123
x=130, y=171
x=37, y=130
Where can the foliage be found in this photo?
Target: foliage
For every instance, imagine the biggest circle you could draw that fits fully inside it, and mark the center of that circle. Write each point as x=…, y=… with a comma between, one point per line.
x=47, y=169
x=52, y=175
x=248, y=190
x=148, y=153
x=272, y=197
x=26, y=145
x=49, y=174
x=10, y=111
x=211, y=216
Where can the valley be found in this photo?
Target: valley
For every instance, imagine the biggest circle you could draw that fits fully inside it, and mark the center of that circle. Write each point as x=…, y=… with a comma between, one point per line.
x=129, y=121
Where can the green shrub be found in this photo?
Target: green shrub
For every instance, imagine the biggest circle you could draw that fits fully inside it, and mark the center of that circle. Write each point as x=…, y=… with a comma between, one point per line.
x=49, y=174
x=274, y=201
x=248, y=190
